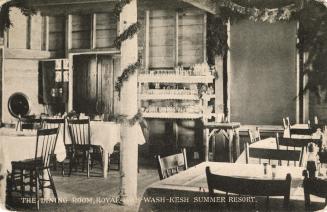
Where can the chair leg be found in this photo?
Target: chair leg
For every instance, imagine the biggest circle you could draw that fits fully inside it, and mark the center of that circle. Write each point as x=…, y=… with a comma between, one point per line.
x=70, y=166
x=31, y=181
x=22, y=187
x=53, y=186
x=37, y=190
x=88, y=164
x=63, y=169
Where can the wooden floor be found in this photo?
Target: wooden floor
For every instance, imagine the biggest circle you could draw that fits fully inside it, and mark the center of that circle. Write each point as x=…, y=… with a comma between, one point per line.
x=78, y=193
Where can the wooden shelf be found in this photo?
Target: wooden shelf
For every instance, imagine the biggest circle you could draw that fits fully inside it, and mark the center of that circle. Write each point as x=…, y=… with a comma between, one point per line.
x=175, y=78
x=173, y=115
x=168, y=96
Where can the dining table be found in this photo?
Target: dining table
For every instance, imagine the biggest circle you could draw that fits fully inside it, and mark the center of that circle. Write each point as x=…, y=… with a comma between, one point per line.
x=107, y=134
x=188, y=190
x=20, y=145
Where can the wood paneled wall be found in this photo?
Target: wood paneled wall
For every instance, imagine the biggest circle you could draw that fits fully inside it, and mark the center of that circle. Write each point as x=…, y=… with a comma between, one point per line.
x=81, y=31
x=106, y=30
x=191, y=36
x=162, y=38
x=57, y=28
x=173, y=33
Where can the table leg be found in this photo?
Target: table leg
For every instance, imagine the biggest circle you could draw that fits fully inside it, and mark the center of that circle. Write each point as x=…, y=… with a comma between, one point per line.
x=237, y=143
x=230, y=145
x=3, y=186
x=105, y=157
x=206, y=144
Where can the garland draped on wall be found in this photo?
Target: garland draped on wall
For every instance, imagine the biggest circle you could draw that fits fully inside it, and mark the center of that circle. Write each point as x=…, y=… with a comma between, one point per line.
x=265, y=14
x=25, y=8
x=312, y=34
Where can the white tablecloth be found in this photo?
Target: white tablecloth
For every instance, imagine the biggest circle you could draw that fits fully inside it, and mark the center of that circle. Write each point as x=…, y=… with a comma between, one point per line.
x=17, y=145
x=107, y=134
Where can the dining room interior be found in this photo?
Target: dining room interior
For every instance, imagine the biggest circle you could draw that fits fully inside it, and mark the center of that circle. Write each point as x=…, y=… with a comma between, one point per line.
x=166, y=105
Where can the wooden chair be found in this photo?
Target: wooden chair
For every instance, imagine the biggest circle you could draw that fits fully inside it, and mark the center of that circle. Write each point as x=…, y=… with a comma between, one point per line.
x=253, y=187
x=79, y=131
x=296, y=143
x=60, y=123
x=295, y=131
x=314, y=186
x=254, y=136
x=33, y=168
x=273, y=154
x=172, y=164
x=114, y=157
x=29, y=123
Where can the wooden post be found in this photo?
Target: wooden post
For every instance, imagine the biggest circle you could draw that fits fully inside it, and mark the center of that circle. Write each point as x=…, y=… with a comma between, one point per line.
x=129, y=146
x=147, y=40
x=176, y=37
x=228, y=80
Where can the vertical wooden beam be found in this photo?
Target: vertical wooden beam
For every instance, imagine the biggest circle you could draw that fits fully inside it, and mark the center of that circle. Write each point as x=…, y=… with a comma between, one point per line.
x=70, y=84
x=1, y=83
x=227, y=78
x=204, y=38
x=147, y=41
x=46, y=33
x=28, y=31
x=129, y=146
x=176, y=37
x=69, y=32
x=299, y=100
x=93, y=31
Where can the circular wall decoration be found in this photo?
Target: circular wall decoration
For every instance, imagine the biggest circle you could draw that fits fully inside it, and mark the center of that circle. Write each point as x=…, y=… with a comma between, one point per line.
x=18, y=105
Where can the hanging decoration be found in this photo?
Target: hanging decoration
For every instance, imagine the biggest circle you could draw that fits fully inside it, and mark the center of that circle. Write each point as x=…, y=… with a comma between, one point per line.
x=265, y=14
x=119, y=7
x=25, y=8
x=137, y=118
x=125, y=75
x=127, y=34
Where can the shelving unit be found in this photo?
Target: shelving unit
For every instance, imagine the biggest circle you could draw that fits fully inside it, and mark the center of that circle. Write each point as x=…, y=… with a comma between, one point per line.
x=176, y=103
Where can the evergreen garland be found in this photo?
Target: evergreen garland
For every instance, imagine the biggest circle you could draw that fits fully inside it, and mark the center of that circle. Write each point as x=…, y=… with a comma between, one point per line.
x=125, y=75
x=119, y=7
x=137, y=118
x=127, y=34
x=25, y=8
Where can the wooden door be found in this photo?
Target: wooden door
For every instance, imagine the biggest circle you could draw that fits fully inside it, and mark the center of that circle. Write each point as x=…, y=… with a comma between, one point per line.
x=93, y=84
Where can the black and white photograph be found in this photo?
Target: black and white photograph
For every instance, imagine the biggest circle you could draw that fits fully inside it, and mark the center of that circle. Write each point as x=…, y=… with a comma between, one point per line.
x=163, y=105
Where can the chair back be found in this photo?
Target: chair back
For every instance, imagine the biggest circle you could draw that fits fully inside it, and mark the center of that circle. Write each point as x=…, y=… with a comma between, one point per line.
x=172, y=164
x=273, y=154
x=79, y=131
x=60, y=123
x=254, y=135
x=29, y=123
x=297, y=131
x=253, y=187
x=314, y=186
x=45, y=145
x=286, y=123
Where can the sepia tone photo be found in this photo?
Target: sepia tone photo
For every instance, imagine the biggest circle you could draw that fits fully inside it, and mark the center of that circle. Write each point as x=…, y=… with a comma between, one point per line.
x=163, y=105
